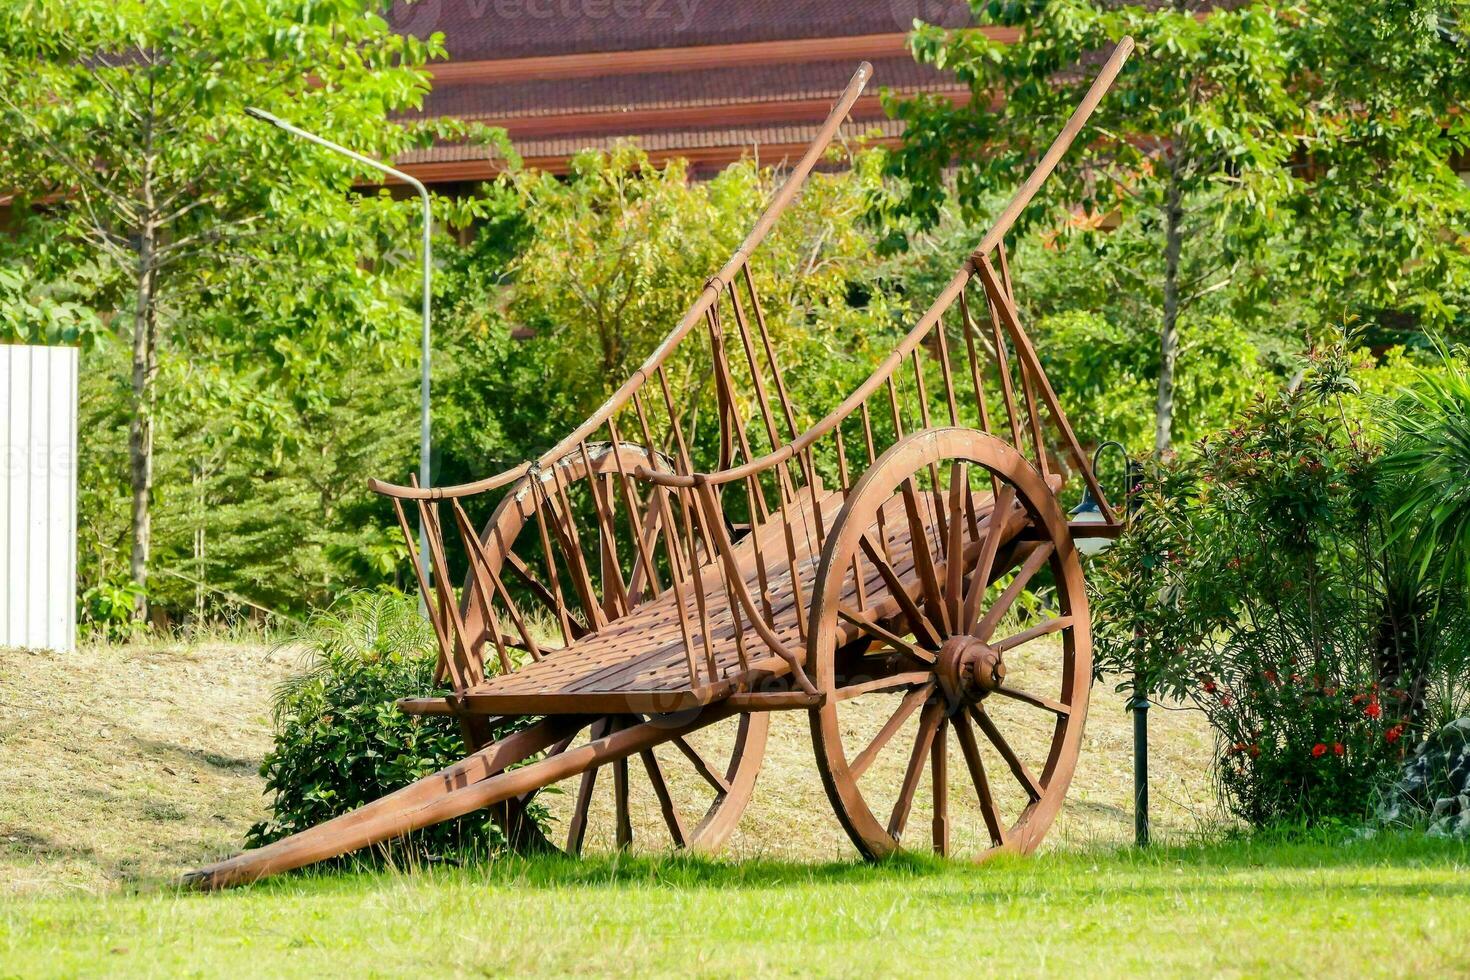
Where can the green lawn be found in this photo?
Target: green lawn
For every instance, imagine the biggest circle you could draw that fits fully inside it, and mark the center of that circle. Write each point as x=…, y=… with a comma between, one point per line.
x=1397, y=906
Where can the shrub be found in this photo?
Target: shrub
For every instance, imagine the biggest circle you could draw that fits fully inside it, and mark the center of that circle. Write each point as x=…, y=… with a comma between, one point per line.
x=341, y=743
x=1262, y=582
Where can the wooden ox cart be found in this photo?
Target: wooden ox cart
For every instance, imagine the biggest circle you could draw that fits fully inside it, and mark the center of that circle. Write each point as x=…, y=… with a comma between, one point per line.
x=880, y=598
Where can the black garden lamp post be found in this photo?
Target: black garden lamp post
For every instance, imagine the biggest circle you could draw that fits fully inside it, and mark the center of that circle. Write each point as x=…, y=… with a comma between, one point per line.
x=1088, y=512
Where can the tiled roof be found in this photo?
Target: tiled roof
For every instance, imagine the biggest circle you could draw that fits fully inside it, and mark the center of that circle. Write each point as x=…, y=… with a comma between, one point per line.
x=707, y=79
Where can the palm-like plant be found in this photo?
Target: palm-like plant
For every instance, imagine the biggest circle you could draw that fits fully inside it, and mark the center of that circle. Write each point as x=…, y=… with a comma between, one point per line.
x=1430, y=455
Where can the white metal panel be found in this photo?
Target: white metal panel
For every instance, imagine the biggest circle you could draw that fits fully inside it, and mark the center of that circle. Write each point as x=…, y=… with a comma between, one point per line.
x=38, y=394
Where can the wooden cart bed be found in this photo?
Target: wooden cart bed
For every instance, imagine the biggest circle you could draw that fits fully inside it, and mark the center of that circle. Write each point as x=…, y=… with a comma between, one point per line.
x=637, y=663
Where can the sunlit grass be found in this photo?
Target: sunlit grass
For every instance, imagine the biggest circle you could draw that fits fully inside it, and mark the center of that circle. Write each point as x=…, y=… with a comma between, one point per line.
x=1392, y=906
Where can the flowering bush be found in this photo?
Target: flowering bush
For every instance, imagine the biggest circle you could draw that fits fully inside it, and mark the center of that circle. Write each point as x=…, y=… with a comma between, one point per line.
x=1261, y=581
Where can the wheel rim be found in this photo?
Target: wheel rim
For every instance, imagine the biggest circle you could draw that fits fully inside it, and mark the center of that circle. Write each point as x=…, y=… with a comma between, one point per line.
x=515, y=520
x=943, y=704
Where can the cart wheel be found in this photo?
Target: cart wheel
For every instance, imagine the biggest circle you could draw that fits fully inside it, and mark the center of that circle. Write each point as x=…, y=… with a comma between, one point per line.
x=693, y=790
x=954, y=655
x=529, y=529
x=689, y=792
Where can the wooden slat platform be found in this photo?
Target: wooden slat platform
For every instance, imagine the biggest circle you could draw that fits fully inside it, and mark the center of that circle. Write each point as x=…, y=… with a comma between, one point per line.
x=637, y=663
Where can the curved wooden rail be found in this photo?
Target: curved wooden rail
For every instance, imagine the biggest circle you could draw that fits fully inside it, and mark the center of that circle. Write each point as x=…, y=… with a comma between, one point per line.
x=942, y=303
x=707, y=298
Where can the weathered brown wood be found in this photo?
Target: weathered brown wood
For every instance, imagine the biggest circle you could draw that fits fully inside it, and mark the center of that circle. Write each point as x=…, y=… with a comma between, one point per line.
x=906, y=707
x=1004, y=500
x=665, y=799
x=939, y=776
x=1030, y=783
x=929, y=721
x=954, y=682
x=1038, y=557
x=989, y=812
x=577, y=826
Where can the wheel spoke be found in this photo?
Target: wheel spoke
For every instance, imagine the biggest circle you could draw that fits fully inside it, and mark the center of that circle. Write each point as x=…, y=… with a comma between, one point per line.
x=939, y=762
x=928, y=724
x=906, y=707
x=954, y=554
x=1035, y=700
x=665, y=801
x=980, y=577
x=918, y=622
x=705, y=770
x=1044, y=628
x=988, y=810
x=910, y=678
x=543, y=594
x=924, y=564
x=1023, y=577
x=624, y=831
x=1018, y=768
x=577, y=828
x=887, y=636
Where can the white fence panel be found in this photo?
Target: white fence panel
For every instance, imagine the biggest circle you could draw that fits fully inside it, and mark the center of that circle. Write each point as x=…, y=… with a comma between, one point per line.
x=38, y=496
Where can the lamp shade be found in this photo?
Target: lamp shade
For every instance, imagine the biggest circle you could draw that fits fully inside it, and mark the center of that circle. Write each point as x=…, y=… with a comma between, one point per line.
x=1088, y=512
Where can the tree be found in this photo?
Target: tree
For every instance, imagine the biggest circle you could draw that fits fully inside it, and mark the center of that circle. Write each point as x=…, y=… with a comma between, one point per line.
x=125, y=120
x=1230, y=136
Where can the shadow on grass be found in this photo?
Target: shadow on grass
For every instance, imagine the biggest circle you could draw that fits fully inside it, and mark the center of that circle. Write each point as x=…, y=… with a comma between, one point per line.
x=1073, y=871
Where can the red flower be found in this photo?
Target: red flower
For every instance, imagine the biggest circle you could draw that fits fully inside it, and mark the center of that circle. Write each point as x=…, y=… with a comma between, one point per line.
x=1374, y=710
x=1359, y=698
x=1270, y=676
x=1226, y=700
x=1209, y=687
x=1254, y=750
x=1393, y=734
x=1337, y=748
x=1319, y=750
x=1330, y=691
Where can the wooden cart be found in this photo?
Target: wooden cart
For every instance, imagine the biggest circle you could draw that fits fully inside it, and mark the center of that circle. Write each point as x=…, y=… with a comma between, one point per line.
x=865, y=570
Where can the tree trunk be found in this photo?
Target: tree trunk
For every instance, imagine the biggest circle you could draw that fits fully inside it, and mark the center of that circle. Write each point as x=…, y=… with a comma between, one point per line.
x=140, y=426
x=1169, y=333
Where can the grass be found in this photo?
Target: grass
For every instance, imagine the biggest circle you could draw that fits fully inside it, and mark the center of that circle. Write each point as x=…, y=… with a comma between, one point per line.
x=1393, y=907
x=122, y=766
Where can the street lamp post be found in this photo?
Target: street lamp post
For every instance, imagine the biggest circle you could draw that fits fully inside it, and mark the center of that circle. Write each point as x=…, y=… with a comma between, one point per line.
x=428, y=271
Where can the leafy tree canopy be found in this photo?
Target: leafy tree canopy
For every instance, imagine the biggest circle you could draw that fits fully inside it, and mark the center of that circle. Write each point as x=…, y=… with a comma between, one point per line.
x=1272, y=152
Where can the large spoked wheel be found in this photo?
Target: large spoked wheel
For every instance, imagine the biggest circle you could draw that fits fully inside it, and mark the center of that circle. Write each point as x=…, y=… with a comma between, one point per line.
x=688, y=793
x=691, y=792
x=933, y=651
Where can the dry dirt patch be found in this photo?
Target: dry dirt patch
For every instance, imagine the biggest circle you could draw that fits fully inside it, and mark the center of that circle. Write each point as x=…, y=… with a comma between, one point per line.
x=130, y=763
x=125, y=762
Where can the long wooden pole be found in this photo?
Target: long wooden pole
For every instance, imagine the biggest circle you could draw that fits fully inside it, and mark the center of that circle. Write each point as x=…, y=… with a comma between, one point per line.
x=451, y=793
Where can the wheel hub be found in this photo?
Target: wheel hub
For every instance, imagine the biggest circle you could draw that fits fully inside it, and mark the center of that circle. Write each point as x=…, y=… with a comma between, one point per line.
x=969, y=669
